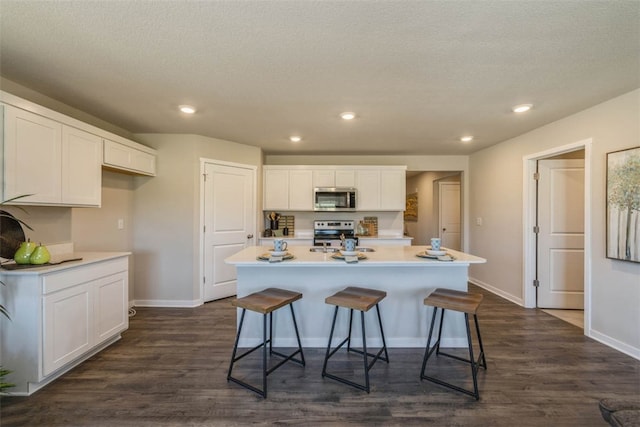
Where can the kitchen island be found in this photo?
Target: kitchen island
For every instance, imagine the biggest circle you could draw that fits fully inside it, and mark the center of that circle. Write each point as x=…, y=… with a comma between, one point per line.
x=398, y=270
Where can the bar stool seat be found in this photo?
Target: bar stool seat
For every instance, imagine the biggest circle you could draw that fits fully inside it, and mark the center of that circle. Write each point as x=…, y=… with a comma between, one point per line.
x=265, y=302
x=361, y=299
x=464, y=302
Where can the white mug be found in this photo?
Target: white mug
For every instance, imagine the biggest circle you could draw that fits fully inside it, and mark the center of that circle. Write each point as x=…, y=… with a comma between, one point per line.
x=349, y=245
x=435, y=244
x=279, y=245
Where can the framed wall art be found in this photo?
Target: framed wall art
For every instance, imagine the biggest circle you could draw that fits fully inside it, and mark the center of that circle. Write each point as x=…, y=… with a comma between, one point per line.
x=623, y=205
x=411, y=209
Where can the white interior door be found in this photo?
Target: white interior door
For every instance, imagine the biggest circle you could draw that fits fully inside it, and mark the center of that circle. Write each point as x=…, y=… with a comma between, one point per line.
x=449, y=214
x=561, y=234
x=229, y=224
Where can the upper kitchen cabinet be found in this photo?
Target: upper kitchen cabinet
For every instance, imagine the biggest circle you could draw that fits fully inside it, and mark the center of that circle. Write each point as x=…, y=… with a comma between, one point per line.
x=287, y=189
x=381, y=188
x=129, y=157
x=57, y=160
x=334, y=177
x=56, y=164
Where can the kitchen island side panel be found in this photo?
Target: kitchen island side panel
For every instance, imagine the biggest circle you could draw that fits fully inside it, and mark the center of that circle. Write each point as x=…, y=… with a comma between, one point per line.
x=405, y=318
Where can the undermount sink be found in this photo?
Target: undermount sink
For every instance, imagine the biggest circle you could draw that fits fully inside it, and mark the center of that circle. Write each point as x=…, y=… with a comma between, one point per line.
x=321, y=249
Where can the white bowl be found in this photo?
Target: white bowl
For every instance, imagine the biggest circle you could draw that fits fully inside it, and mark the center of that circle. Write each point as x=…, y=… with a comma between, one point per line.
x=349, y=253
x=436, y=253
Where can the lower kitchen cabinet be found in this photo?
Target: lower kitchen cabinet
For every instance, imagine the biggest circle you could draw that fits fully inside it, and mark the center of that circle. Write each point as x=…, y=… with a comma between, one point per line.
x=60, y=317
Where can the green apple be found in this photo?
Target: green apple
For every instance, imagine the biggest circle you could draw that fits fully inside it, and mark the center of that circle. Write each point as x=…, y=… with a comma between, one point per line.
x=23, y=254
x=40, y=255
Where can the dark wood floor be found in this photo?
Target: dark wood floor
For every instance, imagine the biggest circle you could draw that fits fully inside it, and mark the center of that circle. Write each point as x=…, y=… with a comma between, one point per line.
x=170, y=369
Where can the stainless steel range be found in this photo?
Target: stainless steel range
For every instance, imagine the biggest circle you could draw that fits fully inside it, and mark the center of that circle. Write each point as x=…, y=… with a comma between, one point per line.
x=328, y=232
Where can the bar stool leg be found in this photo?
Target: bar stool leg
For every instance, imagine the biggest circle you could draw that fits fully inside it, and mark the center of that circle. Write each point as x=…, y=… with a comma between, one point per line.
x=484, y=361
x=364, y=354
x=384, y=343
x=295, y=325
x=235, y=346
x=350, y=325
x=327, y=355
x=472, y=362
x=429, y=349
x=264, y=355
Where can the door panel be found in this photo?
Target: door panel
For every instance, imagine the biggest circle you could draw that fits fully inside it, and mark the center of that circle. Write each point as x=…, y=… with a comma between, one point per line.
x=229, y=218
x=449, y=214
x=561, y=235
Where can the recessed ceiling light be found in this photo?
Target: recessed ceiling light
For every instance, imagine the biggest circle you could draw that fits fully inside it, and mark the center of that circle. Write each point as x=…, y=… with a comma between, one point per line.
x=187, y=109
x=466, y=138
x=348, y=115
x=295, y=139
x=522, y=108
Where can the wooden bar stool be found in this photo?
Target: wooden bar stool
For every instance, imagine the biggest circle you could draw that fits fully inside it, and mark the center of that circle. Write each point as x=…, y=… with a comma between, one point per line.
x=363, y=300
x=467, y=303
x=265, y=302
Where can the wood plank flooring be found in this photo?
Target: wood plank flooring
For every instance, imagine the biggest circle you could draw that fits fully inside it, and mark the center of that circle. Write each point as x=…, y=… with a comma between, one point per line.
x=170, y=369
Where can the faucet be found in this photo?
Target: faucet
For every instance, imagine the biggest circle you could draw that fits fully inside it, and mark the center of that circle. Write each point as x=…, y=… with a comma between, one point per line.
x=324, y=247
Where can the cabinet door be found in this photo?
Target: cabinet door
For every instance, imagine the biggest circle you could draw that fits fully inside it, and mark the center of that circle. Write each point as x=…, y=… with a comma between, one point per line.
x=324, y=178
x=122, y=157
x=345, y=178
x=300, y=190
x=393, y=190
x=111, y=304
x=81, y=167
x=32, y=148
x=276, y=189
x=68, y=326
x=368, y=185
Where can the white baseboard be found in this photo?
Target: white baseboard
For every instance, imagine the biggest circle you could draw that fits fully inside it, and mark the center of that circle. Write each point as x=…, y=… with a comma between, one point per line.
x=166, y=303
x=615, y=344
x=499, y=292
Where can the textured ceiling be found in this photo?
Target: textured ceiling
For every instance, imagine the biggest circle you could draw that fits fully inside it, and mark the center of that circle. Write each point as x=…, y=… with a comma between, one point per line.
x=419, y=74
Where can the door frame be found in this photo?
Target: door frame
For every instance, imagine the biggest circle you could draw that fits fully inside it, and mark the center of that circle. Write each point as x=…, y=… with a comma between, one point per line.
x=529, y=221
x=203, y=163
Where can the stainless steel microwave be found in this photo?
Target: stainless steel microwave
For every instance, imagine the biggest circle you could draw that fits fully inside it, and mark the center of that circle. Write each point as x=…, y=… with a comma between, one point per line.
x=334, y=199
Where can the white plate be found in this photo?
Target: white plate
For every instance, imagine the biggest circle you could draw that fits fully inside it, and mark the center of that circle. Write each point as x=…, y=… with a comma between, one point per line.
x=349, y=253
x=281, y=253
x=436, y=253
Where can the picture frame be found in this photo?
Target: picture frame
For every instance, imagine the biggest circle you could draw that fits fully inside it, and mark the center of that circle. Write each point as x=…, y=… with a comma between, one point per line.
x=623, y=205
x=411, y=208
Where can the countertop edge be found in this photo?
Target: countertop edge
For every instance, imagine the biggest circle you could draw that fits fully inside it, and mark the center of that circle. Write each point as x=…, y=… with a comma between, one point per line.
x=87, y=258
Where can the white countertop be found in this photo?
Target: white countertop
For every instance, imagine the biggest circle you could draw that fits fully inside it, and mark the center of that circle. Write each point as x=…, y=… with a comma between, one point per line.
x=87, y=258
x=404, y=256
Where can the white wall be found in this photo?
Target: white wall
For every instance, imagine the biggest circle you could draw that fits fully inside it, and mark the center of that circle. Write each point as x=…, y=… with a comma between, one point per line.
x=167, y=216
x=496, y=189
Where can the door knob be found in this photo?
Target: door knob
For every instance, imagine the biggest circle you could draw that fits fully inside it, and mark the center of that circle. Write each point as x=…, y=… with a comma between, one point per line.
x=249, y=236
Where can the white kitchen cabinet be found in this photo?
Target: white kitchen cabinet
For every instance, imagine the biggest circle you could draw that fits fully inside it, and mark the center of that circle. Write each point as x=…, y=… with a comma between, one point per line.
x=56, y=164
x=324, y=178
x=81, y=173
x=128, y=158
x=368, y=186
x=67, y=326
x=345, y=178
x=381, y=189
x=300, y=190
x=393, y=190
x=333, y=177
x=276, y=189
x=60, y=316
x=287, y=189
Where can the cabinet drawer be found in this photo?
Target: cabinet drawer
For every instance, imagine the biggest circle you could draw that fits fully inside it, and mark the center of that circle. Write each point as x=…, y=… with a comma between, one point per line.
x=57, y=281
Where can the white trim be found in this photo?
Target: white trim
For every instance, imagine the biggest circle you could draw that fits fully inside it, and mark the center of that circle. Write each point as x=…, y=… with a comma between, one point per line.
x=497, y=291
x=614, y=343
x=203, y=163
x=165, y=303
x=528, y=209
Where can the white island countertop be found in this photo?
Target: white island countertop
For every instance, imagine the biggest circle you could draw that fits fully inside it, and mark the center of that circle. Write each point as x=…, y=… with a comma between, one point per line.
x=384, y=256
